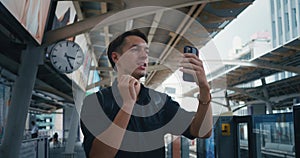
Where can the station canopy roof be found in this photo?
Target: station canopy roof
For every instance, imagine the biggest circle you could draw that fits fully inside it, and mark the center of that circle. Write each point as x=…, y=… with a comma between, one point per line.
x=169, y=25
x=238, y=77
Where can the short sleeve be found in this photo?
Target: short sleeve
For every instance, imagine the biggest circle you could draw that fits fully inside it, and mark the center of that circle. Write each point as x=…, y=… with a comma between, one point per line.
x=187, y=133
x=177, y=119
x=92, y=112
x=88, y=139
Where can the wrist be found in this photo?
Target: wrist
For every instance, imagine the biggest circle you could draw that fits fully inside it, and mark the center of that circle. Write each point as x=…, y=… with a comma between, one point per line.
x=204, y=87
x=204, y=96
x=127, y=107
x=205, y=101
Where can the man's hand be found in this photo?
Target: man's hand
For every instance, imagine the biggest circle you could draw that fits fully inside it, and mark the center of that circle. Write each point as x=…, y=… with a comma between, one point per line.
x=108, y=143
x=201, y=125
x=129, y=88
x=191, y=64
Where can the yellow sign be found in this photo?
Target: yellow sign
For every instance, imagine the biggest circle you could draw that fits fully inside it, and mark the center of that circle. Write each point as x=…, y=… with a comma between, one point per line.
x=225, y=129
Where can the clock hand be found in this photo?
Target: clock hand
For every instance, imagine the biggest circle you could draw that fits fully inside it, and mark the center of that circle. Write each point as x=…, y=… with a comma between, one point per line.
x=68, y=59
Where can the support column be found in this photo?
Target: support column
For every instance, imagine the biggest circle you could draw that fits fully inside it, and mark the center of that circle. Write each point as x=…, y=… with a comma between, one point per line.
x=185, y=147
x=227, y=100
x=176, y=147
x=266, y=95
x=73, y=130
x=20, y=101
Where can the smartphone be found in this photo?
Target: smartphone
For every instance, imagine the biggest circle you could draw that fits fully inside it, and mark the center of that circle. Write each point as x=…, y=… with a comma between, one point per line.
x=194, y=50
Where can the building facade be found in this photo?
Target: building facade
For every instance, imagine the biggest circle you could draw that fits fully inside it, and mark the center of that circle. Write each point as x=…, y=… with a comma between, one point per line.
x=285, y=19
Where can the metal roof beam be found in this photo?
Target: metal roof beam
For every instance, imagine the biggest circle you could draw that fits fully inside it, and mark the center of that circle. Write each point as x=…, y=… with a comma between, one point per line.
x=89, y=23
x=74, y=29
x=38, y=110
x=207, y=17
x=271, y=58
x=106, y=81
x=118, y=3
x=54, y=91
x=93, y=11
x=170, y=4
x=154, y=26
x=292, y=47
x=242, y=91
x=277, y=99
x=257, y=64
x=276, y=67
x=284, y=54
x=231, y=5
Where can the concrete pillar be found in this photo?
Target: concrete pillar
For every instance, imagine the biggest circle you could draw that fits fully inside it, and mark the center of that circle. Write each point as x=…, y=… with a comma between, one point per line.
x=227, y=100
x=257, y=109
x=269, y=108
x=296, y=101
x=266, y=95
x=72, y=134
x=20, y=101
x=176, y=146
x=168, y=139
x=185, y=147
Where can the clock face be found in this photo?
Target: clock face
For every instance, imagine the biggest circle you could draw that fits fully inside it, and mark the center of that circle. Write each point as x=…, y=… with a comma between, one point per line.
x=66, y=56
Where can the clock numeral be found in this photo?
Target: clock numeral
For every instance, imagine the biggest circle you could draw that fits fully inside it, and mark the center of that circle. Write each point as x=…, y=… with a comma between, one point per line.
x=66, y=56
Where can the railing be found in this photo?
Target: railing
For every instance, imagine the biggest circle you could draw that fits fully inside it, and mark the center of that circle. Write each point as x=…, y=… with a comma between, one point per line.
x=59, y=152
x=279, y=150
x=35, y=148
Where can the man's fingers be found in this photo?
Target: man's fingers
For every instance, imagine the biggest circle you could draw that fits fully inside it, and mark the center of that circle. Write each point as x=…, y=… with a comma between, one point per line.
x=188, y=71
x=191, y=66
x=128, y=84
x=132, y=91
x=192, y=61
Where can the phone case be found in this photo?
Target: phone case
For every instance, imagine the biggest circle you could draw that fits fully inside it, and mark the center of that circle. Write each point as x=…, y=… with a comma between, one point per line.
x=189, y=49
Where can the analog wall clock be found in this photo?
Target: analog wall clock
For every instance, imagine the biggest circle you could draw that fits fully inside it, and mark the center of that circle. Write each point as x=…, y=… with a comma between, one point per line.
x=66, y=56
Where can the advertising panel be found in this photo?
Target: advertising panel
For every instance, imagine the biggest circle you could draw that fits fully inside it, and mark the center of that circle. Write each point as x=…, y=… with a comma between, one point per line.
x=32, y=15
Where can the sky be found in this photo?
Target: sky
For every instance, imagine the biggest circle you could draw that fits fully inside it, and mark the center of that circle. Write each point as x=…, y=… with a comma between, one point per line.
x=255, y=18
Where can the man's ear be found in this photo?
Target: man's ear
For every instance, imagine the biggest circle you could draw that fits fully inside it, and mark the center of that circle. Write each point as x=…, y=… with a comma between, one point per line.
x=115, y=56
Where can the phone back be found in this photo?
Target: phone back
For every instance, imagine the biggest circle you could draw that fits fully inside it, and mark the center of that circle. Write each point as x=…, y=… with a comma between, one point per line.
x=189, y=49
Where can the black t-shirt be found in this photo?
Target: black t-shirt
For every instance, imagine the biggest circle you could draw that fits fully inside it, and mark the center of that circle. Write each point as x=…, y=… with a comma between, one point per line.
x=154, y=115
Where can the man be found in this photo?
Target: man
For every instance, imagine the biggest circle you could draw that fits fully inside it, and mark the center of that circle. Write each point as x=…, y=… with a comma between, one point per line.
x=54, y=142
x=34, y=130
x=130, y=120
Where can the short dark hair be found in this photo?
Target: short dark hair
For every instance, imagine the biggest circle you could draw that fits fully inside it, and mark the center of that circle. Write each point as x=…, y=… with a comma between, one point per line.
x=115, y=45
x=55, y=135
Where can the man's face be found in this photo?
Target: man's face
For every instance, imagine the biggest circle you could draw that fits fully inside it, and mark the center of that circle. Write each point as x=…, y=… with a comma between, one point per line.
x=134, y=59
